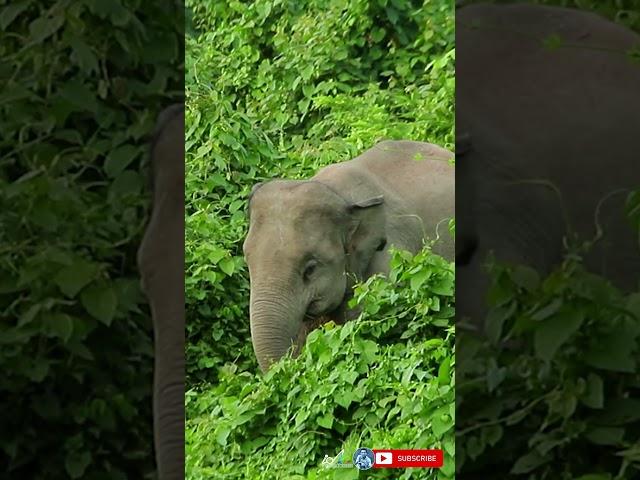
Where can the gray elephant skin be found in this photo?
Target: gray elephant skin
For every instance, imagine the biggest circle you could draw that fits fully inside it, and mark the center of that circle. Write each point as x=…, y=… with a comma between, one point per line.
x=546, y=144
x=310, y=240
x=161, y=264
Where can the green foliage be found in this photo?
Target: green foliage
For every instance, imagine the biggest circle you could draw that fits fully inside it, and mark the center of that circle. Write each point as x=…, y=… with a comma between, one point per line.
x=562, y=398
x=81, y=87
x=279, y=89
x=384, y=380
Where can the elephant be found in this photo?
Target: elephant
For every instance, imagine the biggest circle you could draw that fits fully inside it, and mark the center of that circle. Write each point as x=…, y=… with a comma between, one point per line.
x=547, y=127
x=310, y=240
x=161, y=265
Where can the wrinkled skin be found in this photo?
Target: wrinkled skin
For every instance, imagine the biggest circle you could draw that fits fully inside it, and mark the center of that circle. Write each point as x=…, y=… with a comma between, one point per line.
x=309, y=241
x=161, y=264
x=544, y=140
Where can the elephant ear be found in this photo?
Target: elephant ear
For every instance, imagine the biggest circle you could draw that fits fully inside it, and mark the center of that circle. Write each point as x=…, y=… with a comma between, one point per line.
x=366, y=233
x=253, y=191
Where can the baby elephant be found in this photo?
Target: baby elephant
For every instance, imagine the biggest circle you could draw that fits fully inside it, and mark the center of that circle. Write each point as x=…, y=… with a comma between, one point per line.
x=310, y=240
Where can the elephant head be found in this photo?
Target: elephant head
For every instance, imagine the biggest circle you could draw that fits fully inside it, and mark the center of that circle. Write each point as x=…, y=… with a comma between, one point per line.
x=305, y=246
x=161, y=264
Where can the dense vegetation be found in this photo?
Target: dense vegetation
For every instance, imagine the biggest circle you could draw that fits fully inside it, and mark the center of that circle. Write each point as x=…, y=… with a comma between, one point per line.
x=564, y=403
x=279, y=89
x=82, y=84
x=383, y=381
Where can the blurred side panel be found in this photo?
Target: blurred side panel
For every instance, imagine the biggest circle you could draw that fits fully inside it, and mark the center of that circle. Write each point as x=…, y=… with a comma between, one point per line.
x=82, y=85
x=548, y=259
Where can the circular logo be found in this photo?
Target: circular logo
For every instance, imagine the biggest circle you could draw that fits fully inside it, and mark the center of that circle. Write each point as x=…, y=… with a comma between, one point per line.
x=363, y=459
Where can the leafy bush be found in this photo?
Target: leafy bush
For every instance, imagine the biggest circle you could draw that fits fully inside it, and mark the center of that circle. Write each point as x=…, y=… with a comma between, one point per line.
x=82, y=85
x=385, y=379
x=563, y=401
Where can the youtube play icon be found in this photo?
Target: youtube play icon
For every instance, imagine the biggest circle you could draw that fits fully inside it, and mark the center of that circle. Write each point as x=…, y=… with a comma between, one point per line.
x=384, y=458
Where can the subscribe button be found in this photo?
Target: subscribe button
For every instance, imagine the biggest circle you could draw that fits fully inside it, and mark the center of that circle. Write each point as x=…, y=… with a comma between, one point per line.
x=408, y=458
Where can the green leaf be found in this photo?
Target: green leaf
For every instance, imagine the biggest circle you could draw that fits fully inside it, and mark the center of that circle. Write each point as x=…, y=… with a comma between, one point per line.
x=555, y=331
x=222, y=433
x=605, y=435
x=79, y=95
x=80, y=350
x=76, y=463
x=475, y=447
x=440, y=423
x=39, y=370
x=73, y=278
x=217, y=254
x=126, y=184
x=417, y=279
x=113, y=10
x=101, y=302
x=619, y=411
x=59, y=325
x=378, y=34
x=326, y=420
x=593, y=396
x=525, y=277
x=443, y=372
x=548, y=310
x=29, y=315
x=615, y=350
x=529, y=462
x=495, y=321
x=44, y=27
x=9, y=12
x=368, y=349
x=493, y=434
x=495, y=375
x=84, y=56
x=119, y=159
x=344, y=398
x=227, y=265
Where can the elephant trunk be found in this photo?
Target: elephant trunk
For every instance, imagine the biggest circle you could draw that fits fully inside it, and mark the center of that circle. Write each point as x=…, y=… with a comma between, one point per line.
x=169, y=386
x=276, y=323
x=168, y=412
x=163, y=281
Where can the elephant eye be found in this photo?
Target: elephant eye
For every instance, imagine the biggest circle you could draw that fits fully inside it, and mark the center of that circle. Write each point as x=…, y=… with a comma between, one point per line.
x=309, y=269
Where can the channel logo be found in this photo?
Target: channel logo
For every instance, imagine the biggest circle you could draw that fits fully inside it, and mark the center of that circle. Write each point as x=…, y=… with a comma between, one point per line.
x=336, y=462
x=363, y=458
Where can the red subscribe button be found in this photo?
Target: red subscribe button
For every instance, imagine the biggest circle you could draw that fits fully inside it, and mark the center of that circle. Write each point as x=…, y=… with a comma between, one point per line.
x=408, y=458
